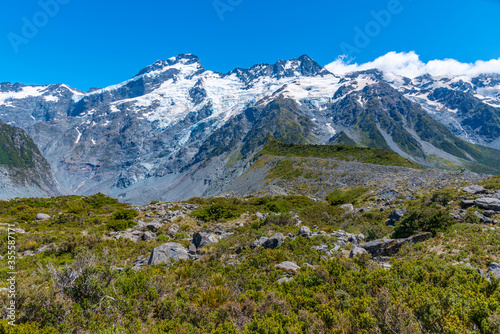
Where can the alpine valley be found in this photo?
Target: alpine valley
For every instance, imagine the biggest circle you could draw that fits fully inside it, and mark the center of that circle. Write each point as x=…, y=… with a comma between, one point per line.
x=176, y=130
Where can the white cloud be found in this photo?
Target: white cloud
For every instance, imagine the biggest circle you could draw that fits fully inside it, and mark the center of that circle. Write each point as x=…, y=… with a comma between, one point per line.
x=408, y=64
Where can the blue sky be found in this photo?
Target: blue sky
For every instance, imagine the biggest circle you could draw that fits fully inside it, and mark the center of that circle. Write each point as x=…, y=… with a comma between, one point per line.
x=98, y=43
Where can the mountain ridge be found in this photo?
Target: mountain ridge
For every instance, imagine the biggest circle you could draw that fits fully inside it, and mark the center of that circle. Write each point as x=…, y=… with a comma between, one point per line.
x=176, y=122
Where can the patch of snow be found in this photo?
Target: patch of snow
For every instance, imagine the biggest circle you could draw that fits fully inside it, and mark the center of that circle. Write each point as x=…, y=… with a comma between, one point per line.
x=78, y=136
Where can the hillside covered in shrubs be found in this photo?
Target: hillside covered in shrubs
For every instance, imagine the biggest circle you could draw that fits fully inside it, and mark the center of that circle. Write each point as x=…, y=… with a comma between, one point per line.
x=354, y=262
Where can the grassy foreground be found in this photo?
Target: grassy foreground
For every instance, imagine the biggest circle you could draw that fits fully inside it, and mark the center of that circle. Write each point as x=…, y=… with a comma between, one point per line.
x=84, y=283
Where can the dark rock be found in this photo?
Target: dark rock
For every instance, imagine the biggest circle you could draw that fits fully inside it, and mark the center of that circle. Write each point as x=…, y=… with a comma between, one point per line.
x=467, y=203
x=275, y=241
x=489, y=213
x=240, y=249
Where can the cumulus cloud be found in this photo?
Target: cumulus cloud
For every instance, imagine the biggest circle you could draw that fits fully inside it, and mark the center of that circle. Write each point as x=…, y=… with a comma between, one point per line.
x=408, y=64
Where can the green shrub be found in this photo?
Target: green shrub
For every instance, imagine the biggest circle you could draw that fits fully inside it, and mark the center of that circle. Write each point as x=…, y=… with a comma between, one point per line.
x=99, y=200
x=120, y=225
x=284, y=219
x=443, y=197
x=217, y=211
x=163, y=238
x=124, y=214
x=426, y=219
x=275, y=207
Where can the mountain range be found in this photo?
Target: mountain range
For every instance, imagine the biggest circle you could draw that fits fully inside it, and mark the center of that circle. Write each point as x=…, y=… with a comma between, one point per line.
x=177, y=130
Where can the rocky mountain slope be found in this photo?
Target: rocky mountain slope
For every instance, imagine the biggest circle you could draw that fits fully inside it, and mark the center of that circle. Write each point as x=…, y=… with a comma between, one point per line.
x=24, y=172
x=176, y=128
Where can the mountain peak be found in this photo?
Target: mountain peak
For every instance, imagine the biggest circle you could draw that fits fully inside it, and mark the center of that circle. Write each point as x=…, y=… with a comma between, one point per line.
x=181, y=59
x=302, y=66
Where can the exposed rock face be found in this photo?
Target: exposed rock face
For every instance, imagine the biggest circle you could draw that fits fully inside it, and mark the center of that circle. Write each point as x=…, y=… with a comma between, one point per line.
x=167, y=253
x=389, y=247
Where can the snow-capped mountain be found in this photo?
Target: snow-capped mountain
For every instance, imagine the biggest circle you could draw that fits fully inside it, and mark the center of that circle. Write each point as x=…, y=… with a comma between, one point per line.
x=175, y=129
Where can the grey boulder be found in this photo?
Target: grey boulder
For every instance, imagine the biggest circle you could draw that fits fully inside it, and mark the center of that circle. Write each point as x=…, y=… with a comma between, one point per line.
x=42, y=216
x=475, y=189
x=201, y=239
x=172, y=230
x=259, y=242
x=288, y=267
x=305, y=231
x=147, y=236
x=494, y=269
x=275, y=241
x=357, y=251
x=284, y=280
x=488, y=203
x=167, y=253
x=397, y=214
